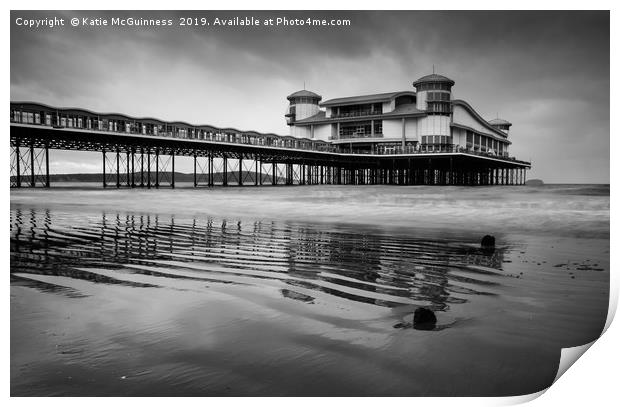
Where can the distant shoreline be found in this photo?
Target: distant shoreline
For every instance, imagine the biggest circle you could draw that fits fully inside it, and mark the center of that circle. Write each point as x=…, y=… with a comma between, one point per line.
x=218, y=176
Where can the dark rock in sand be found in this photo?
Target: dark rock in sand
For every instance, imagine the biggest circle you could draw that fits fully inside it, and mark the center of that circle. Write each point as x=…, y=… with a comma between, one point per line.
x=424, y=319
x=488, y=242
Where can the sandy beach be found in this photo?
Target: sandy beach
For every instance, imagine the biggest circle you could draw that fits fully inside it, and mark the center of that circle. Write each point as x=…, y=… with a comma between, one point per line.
x=246, y=292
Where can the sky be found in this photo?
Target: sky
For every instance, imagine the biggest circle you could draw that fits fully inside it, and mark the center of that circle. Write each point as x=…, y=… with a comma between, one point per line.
x=547, y=72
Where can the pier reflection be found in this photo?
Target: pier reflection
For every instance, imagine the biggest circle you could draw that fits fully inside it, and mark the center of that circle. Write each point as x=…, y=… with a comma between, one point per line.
x=357, y=265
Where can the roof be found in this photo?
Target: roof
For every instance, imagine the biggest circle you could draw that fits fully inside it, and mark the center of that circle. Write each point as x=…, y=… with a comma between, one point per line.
x=499, y=121
x=408, y=109
x=467, y=106
x=400, y=111
x=320, y=116
x=377, y=97
x=208, y=127
x=433, y=78
x=304, y=93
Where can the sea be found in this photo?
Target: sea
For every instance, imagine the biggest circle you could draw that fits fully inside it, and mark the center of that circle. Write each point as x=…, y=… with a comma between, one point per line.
x=302, y=290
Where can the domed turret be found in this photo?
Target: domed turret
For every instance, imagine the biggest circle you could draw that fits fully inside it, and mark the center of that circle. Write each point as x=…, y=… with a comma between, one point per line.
x=302, y=104
x=434, y=94
x=501, y=124
x=433, y=78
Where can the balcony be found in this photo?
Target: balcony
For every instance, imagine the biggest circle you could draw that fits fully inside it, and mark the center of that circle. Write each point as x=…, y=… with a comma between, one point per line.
x=356, y=136
x=356, y=114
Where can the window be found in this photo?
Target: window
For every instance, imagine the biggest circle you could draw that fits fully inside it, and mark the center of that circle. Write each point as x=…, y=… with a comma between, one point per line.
x=356, y=129
x=438, y=97
x=438, y=107
x=378, y=126
x=48, y=120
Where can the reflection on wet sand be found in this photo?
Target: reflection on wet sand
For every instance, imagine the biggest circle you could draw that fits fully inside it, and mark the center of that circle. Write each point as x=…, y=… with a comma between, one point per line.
x=362, y=266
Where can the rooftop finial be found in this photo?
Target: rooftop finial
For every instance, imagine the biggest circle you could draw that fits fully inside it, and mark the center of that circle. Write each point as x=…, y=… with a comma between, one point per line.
x=304, y=85
x=433, y=68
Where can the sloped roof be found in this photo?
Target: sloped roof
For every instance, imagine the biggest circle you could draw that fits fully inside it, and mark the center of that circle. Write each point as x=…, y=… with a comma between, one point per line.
x=499, y=121
x=433, y=78
x=407, y=109
x=304, y=93
x=320, y=116
x=377, y=97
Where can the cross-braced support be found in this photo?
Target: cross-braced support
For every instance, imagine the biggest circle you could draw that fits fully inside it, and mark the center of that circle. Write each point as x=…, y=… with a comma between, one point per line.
x=29, y=165
x=202, y=175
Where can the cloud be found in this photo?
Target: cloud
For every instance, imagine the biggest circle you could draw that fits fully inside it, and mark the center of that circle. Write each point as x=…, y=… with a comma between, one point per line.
x=545, y=71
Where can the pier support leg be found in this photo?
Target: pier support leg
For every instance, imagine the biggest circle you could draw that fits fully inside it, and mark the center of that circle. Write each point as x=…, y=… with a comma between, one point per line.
x=256, y=172
x=148, y=169
x=195, y=179
x=128, y=168
x=225, y=171
x=172, y=173
x=118, y=168
x=240, y=170
x=47, y=166
x=210, y=166
x=32, y=177
x=133, y=168
x=103, y=157
x=157, y=168
x=141, y=168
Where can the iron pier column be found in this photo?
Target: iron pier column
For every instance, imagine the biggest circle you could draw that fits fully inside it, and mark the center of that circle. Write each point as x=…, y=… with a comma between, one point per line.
x=141, y=168
x=210, y=168
x=118, y=168
x=157, y=168
x=225, y=171
x=32, y=176
x=128, y=168
x=47, y=166
x=133, y=168
x=195, y=180
x=256, y=161
x=103, y=154
x=148, y=169
x=172, y=176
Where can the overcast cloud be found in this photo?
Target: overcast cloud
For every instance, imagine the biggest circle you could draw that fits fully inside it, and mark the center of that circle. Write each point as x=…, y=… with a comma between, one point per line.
x=546, y=72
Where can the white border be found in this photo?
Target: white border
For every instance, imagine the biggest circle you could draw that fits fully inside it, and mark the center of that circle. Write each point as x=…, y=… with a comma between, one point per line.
x=594, y=378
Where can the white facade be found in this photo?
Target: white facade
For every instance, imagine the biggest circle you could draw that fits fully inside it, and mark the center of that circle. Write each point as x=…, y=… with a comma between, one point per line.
x=434, y=126
x=323, y=132
x=305, y=110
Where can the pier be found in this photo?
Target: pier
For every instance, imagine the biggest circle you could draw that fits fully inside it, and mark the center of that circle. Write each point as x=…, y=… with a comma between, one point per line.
x=141, y=152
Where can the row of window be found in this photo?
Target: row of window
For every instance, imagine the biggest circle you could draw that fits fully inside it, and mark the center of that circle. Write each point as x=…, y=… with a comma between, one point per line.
x=357, y=110
x=478, y=142
x=437, y=97
x=132, y=127
x=304, y=99
x=361, y=129
x=439, y=108
x=433, y=86
x=440, y=140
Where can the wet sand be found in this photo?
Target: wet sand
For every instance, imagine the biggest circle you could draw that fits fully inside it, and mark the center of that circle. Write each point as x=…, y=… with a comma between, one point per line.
x=117, y=293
